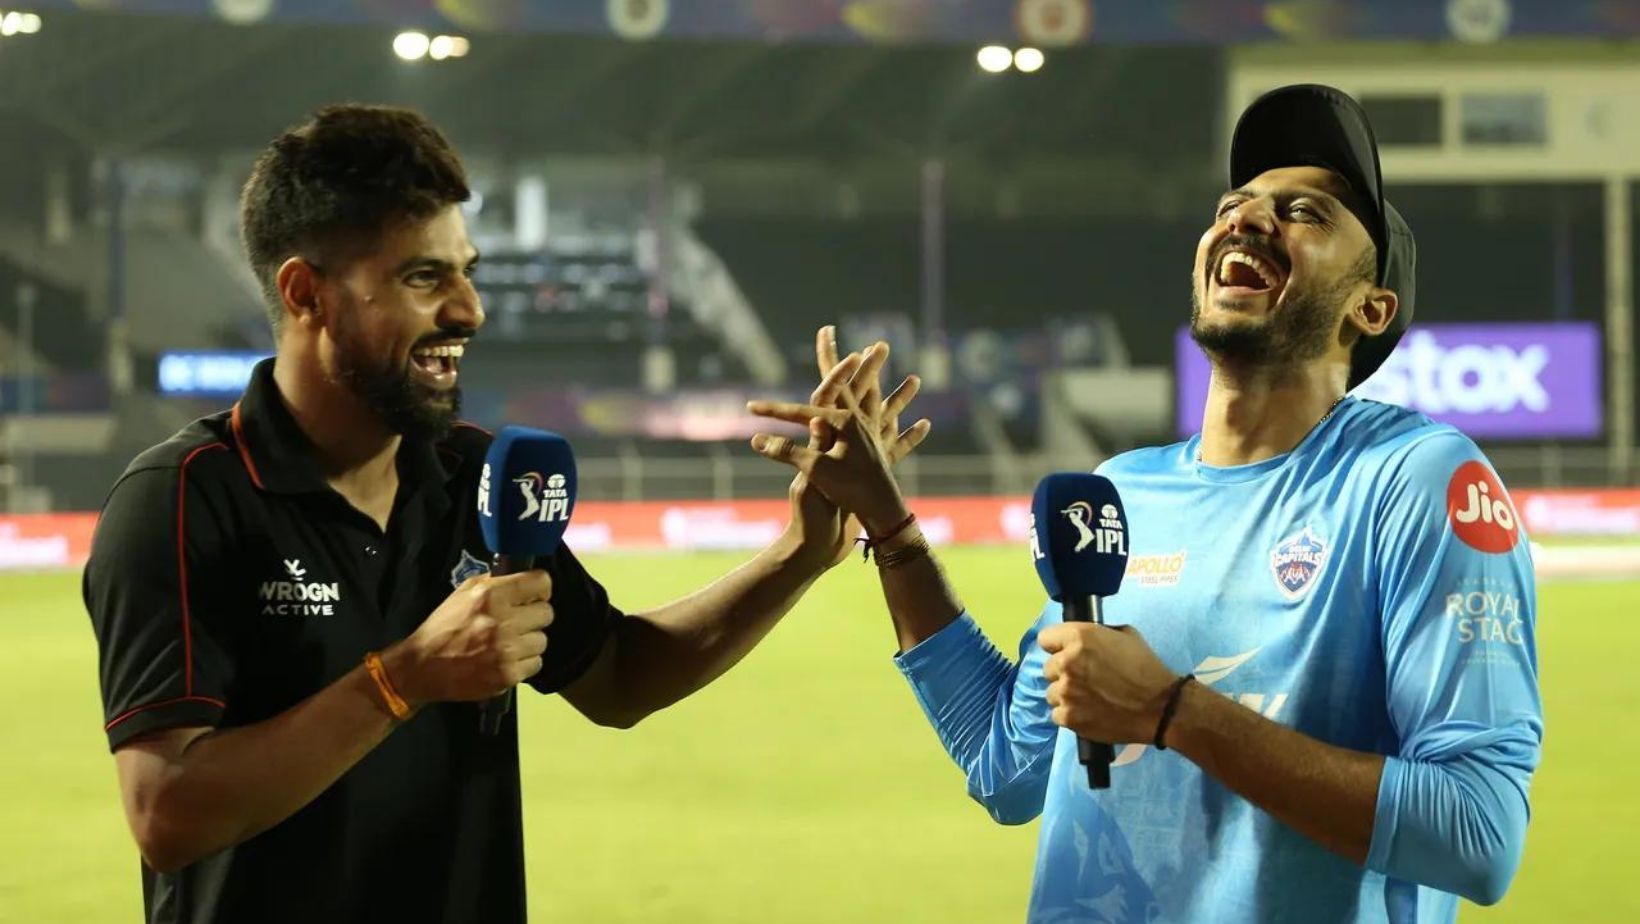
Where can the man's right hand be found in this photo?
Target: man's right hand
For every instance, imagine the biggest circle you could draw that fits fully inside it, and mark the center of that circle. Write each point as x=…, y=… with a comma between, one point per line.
x=483, y=639
x=852, y=446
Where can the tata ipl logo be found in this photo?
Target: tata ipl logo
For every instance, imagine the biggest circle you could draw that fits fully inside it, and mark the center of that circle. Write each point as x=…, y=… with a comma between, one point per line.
x=1105, y=534
x=545, y=499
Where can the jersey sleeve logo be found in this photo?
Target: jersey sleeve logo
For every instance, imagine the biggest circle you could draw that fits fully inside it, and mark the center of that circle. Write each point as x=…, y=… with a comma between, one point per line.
x=1479, y=509
x=1296, y=561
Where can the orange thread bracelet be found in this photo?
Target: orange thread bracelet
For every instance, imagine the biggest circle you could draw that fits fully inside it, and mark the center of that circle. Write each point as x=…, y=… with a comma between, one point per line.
x=378, y=673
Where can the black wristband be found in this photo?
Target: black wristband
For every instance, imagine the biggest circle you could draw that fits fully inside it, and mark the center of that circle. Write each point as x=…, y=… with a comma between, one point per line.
x=1173, y=696
x=911, y=551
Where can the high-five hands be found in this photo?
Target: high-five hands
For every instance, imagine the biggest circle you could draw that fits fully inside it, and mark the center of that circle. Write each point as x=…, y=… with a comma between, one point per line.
x=854, y=435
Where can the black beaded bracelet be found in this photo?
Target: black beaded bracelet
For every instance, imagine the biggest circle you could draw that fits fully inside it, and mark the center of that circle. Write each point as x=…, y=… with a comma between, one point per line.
x=1172, y=706
x=911, y=551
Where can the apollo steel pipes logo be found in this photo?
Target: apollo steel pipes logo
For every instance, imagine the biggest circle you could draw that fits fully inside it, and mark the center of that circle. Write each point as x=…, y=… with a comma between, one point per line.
x=1157, y=570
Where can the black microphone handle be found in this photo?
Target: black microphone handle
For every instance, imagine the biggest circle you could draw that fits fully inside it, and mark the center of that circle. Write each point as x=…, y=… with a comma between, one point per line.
x=1094, y=755
x=492, y=710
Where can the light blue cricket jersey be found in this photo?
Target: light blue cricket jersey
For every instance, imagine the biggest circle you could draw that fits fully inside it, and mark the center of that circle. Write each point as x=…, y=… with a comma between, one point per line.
x=1372, y=589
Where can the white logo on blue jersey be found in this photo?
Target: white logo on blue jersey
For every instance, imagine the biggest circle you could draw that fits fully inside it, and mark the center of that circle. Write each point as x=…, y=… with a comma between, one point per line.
x=1209, y=672
x=1296, y=561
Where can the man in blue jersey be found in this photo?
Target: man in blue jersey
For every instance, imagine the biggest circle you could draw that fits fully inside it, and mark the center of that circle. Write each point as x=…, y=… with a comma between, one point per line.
x=1324, y=685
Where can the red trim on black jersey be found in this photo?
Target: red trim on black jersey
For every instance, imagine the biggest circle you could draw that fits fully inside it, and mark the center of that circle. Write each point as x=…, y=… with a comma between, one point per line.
x=182, y=570
x=244, y=448
x=169, y=702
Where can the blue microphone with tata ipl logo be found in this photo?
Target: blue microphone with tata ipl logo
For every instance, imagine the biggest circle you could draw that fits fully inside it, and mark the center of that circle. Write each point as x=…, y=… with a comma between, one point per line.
x=1079, y=540
x=525, y=496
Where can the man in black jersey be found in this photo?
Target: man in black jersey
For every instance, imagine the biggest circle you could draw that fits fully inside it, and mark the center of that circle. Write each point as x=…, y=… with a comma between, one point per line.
x=290, y=598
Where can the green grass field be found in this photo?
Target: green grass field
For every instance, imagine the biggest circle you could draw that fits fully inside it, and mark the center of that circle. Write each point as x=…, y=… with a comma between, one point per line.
x=804, y=787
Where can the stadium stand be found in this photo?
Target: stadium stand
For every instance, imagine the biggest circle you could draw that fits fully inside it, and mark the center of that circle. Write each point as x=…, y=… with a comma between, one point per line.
x=64, y=334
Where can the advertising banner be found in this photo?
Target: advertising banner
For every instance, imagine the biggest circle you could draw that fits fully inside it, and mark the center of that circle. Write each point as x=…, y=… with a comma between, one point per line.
x=207, y=373
x=1518, y=381
x=35, y=542
x=51, y=541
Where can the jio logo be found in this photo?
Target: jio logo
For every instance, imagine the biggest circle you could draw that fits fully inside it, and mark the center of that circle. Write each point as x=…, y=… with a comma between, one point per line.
x=1479, y=509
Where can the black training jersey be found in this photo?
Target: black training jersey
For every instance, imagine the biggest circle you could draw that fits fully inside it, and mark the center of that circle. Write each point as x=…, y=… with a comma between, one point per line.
x=228, y=582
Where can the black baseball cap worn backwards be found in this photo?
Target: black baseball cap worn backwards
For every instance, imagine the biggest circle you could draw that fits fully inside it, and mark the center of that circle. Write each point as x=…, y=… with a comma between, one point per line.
x=1310, y=125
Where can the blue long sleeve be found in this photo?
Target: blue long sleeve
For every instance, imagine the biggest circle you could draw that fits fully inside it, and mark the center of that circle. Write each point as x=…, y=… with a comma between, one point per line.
x=991, y=715
x=1461, y=659
x=1457, y=825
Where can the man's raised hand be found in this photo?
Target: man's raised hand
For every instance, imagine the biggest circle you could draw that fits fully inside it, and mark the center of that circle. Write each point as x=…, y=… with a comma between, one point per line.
x=852, y=437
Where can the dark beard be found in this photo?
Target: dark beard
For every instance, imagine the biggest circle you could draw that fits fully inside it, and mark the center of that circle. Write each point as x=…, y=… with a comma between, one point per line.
x=406, y=407
x=1299, y=331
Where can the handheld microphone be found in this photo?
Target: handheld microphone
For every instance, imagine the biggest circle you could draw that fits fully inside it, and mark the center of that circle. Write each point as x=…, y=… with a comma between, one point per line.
x=1079, y=540
x=525, y=496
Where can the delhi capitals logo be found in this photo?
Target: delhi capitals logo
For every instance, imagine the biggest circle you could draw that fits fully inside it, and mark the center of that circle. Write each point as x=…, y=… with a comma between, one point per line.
x=1296, y=561
x=466, y=568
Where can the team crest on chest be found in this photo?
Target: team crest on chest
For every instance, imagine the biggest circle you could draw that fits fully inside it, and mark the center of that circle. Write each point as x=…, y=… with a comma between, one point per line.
x=1296, y=561
x=466, y=568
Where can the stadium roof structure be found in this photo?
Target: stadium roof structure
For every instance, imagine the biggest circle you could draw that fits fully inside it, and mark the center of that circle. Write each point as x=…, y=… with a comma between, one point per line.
x=731, y=83
x=1043, y=22
x=122, y=84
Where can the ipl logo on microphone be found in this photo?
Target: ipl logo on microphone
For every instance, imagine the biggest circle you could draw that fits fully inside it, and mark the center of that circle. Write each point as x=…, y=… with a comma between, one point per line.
x=1105, y=534
x=546, y=499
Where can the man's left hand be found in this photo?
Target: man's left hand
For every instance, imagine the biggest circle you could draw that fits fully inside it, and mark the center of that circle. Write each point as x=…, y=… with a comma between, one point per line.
x=1104, y=682
x=820, y=527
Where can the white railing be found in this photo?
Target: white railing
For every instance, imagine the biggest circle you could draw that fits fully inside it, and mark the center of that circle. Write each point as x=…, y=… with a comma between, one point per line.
x=729, y=474
x=1556, y=466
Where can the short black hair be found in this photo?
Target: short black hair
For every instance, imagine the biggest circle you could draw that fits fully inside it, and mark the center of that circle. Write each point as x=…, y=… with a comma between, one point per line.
x=344, y=175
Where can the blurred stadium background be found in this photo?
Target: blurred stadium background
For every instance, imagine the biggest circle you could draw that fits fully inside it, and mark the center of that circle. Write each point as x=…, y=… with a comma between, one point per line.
x=673, y=197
